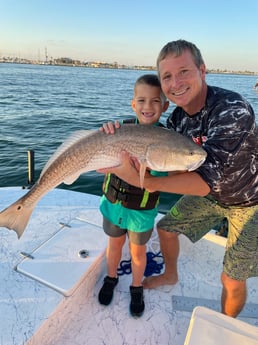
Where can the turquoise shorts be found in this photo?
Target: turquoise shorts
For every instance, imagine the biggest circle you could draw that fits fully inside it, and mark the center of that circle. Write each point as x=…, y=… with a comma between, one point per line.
x=125, y=218
x=195, y=216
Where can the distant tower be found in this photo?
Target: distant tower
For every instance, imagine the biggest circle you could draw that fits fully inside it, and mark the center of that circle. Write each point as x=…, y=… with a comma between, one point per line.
x=39, y=55
x=46, y=56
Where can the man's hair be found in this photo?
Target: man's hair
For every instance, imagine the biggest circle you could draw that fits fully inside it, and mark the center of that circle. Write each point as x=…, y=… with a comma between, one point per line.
x=151, y=80
x=176, y=48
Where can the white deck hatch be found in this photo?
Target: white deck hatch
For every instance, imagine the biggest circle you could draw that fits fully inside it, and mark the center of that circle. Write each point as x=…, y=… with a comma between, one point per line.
x=62, y=261
x=213, y=328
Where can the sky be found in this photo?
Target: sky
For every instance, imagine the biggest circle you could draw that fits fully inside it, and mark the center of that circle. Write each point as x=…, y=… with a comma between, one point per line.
x=131, y=32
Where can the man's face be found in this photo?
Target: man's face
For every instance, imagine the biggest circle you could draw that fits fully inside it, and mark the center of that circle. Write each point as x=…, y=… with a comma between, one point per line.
x=182, y=81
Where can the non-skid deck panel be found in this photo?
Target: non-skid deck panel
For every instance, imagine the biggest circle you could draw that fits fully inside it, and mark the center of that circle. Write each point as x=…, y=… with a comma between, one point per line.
x=65, y=258
x=184, y=303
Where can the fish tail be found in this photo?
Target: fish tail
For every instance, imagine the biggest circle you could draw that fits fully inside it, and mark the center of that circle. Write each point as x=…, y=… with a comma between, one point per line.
x=16, y=217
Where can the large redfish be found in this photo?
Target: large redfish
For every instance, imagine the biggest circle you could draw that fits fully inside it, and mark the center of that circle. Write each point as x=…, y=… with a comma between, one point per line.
x=155, y=147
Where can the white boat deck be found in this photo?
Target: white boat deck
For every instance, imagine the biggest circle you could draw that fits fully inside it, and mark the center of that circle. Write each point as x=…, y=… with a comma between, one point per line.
x=58, y=304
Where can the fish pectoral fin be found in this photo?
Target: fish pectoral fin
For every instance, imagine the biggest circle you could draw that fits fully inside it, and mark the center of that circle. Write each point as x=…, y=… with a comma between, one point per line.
x=71, y=178
x=143, y=167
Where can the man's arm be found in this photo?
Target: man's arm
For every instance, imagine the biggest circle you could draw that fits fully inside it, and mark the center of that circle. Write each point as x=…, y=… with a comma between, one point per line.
x=189, y=183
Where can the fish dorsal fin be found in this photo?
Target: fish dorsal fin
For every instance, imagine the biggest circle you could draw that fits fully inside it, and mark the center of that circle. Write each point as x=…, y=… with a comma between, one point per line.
x=71, y=140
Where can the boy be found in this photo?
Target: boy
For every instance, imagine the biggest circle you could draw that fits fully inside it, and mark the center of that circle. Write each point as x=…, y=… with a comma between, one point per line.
x=128, y=210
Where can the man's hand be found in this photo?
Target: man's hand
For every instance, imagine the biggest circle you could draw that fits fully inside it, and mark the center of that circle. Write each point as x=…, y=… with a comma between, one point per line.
x=109, y=127
x=128, y=170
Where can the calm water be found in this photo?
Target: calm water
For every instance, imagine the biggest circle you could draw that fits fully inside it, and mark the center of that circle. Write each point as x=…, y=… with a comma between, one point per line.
x=41, y=105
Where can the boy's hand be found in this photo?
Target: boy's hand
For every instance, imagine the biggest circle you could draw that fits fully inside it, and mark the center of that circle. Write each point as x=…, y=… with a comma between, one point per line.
x=109, y=127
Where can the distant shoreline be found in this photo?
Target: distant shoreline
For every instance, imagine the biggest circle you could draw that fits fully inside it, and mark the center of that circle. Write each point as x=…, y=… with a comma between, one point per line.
x=65, y=62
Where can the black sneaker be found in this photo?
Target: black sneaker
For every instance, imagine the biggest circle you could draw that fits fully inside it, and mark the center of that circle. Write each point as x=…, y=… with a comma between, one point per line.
x=137, y=303
x=106, y=292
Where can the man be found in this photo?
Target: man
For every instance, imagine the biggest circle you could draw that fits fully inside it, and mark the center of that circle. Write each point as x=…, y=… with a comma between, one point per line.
x=225, y=186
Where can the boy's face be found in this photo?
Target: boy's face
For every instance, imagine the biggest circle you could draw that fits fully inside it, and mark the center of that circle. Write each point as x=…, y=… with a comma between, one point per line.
x=147, y=104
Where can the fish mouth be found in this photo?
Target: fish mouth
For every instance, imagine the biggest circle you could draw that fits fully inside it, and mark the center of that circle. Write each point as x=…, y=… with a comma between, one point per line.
x=196, y=165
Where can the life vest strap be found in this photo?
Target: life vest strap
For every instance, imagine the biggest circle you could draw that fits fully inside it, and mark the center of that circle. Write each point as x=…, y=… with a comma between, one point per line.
x=117, y=190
